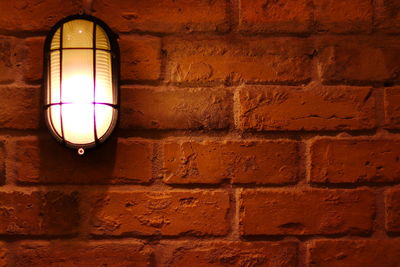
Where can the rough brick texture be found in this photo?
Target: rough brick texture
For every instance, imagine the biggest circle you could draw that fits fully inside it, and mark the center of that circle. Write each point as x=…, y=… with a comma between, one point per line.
x=355, y=253
x=163, y=16
x=4, y=259
x=42, y=160
x=266, y=108
x=141, y=57
x=392, y=107
x=276, y=16
x=19, y=107
x=392, y=204
x=237, y=59
x=306, y=212
x=355, y=161
x=359, y=60
x=387, y=16
x=266, y=254
x=91, y=254
x=271, y=162
x=193, y=213
x=176, y=108
x=2, y=162
x=342, y=16
x=250, y=133
x=35, y=15
x=30, y=59
x=39, y=213
x=6, y=60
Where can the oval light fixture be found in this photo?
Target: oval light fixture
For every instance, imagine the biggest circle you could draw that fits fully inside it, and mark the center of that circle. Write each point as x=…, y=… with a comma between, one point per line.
x=81, y=82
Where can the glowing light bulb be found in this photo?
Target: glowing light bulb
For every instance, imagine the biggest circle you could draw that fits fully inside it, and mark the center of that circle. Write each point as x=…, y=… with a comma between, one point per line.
x=80, y=95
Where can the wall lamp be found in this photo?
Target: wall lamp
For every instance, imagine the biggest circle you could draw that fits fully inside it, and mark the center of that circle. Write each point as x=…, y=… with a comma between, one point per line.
x=81, y=73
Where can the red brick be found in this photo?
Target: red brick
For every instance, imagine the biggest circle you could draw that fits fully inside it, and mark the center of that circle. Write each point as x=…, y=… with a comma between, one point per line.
x=140, y=57
x=392, y=108
x=220, y=253
x=269, y=108
x=392, y=205
x=343, y=16
x=4, y=255
x=30, y=58
x=236, y=59
x=35, y=15
x=387, y=16
x=260, y=162
x=306, y=212
x=175, y=108
x=354, y=253
x=355, y=161
x=2, y=163
x=6, y=60
x=44, y=161
x=163, y=16
x=193, y=213
x=38, y=213
x=359, y=60
x=88, y=254
x=293, y=16
x=19, y=107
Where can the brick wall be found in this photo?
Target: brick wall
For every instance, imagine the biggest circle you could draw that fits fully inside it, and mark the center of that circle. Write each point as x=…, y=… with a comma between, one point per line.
x=252, y=133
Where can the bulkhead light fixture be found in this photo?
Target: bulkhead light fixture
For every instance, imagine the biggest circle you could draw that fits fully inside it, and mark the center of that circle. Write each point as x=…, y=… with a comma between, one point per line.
x=81, y=81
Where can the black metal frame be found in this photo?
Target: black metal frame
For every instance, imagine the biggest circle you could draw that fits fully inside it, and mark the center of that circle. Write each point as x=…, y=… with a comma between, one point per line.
x=115, y=63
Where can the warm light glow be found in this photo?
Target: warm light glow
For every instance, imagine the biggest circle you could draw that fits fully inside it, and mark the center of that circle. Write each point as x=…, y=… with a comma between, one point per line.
x=80, y=91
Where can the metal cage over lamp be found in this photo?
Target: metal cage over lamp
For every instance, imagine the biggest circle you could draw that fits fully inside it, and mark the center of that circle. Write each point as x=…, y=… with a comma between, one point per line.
x=81, y=87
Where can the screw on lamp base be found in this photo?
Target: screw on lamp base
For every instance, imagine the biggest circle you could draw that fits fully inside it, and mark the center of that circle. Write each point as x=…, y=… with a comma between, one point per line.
x=81, y=151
